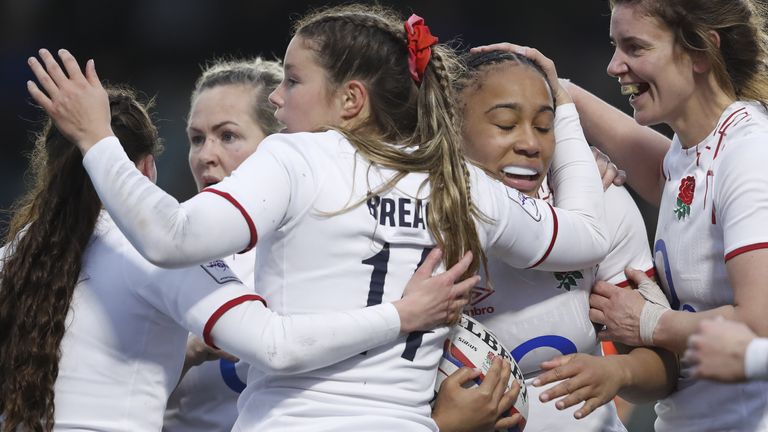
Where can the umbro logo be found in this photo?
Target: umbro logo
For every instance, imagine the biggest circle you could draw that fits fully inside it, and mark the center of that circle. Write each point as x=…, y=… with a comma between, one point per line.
x=479, y=294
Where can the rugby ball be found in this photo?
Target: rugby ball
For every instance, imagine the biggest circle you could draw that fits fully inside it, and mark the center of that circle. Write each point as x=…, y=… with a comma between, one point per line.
x=473, y=345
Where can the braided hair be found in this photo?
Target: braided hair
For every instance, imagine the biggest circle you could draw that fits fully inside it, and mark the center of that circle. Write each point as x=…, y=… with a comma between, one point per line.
x=369, y=44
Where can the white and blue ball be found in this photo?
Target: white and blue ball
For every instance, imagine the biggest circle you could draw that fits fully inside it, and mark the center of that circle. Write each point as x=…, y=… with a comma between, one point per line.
x=473, y=345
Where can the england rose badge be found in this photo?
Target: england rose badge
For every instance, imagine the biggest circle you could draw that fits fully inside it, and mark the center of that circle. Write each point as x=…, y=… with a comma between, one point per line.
x=685, y=197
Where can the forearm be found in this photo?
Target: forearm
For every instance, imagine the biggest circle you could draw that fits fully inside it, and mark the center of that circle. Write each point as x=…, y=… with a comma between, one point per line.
x=639, y=150
x=299, y=343
x=579, y=190
x=651, y=374
x=675, y=327
x=166, y=233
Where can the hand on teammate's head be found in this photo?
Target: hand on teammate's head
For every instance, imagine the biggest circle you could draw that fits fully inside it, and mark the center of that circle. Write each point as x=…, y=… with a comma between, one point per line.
x=76, y=102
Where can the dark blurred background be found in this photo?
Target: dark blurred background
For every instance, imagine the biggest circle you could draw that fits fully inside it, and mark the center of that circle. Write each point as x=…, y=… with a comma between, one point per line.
x=157, y=46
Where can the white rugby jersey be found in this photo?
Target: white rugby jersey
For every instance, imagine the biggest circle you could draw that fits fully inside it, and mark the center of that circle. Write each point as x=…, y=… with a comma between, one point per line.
x=126, y=334
x=714, y=206
x=539, y=315
x=205, y=400
x=315, y=257
x=128, y=323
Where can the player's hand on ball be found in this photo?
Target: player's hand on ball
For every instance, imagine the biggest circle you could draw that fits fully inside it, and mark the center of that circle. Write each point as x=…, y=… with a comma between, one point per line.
x=433, y=301
x=460, y=409
x=584, y=378
x=76, y=102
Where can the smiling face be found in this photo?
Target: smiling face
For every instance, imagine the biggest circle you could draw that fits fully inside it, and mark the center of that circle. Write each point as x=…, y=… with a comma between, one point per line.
x=302, y=99
x=222, y=132
x=509, y=124
x=651, y=67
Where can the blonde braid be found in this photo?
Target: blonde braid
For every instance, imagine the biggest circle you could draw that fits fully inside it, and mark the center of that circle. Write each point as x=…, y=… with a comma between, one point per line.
x=451, y=193
x=422, y=121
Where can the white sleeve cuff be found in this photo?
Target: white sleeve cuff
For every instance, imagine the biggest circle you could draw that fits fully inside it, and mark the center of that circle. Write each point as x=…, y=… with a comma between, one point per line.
x=565, y=109
x=107, y=149
x=756, y=359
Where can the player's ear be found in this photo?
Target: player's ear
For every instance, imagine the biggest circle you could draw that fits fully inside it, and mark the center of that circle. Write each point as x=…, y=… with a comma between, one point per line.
x=147, y=167
x=354, y=100
x=702, y=63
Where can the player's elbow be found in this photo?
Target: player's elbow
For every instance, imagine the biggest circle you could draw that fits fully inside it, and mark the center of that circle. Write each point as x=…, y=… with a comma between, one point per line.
x=285, y=365
x=162, y=257
x=597, y=244
x=602, y=244
x=279, y=361
x=158, y=259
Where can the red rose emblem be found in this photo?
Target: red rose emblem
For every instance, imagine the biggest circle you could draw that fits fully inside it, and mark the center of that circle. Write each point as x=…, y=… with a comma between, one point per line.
x=687, y=185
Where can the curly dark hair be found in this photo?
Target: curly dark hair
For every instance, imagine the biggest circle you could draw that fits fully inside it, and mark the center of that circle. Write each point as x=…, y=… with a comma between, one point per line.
x=48, y=235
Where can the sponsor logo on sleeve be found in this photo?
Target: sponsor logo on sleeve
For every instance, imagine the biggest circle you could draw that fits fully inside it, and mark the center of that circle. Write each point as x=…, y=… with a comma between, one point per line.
x=220, y=272
x=527, y=203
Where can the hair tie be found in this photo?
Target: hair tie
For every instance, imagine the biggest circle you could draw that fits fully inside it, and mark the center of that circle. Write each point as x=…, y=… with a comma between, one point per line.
x=419, y=42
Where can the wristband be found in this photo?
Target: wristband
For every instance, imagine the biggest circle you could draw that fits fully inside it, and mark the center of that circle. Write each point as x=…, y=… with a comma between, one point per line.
x=649, y=319
x=656, y=304
x=756, y=359
x=653, y=293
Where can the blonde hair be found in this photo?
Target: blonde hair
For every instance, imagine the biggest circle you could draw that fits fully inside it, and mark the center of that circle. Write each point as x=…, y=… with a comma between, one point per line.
x=368, y=43
x=263, y=76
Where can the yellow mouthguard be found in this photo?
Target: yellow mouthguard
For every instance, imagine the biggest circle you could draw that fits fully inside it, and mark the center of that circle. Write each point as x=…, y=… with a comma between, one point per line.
x=629, y=89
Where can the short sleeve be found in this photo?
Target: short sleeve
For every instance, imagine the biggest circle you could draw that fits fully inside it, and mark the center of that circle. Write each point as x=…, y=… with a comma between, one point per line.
x=741, y=194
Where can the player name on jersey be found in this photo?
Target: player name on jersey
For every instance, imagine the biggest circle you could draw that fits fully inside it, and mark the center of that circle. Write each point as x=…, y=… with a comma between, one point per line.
x=399, y=212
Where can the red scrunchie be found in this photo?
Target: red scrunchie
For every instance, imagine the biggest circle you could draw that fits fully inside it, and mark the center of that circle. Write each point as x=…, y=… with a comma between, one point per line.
x=419, y=42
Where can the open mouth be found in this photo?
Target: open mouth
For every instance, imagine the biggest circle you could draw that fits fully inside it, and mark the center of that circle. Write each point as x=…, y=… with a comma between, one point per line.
x=634, y=89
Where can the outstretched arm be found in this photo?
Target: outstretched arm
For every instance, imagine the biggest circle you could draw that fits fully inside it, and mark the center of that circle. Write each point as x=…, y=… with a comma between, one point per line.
x=637, y=149
x=298, y=343
x=165, y=232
